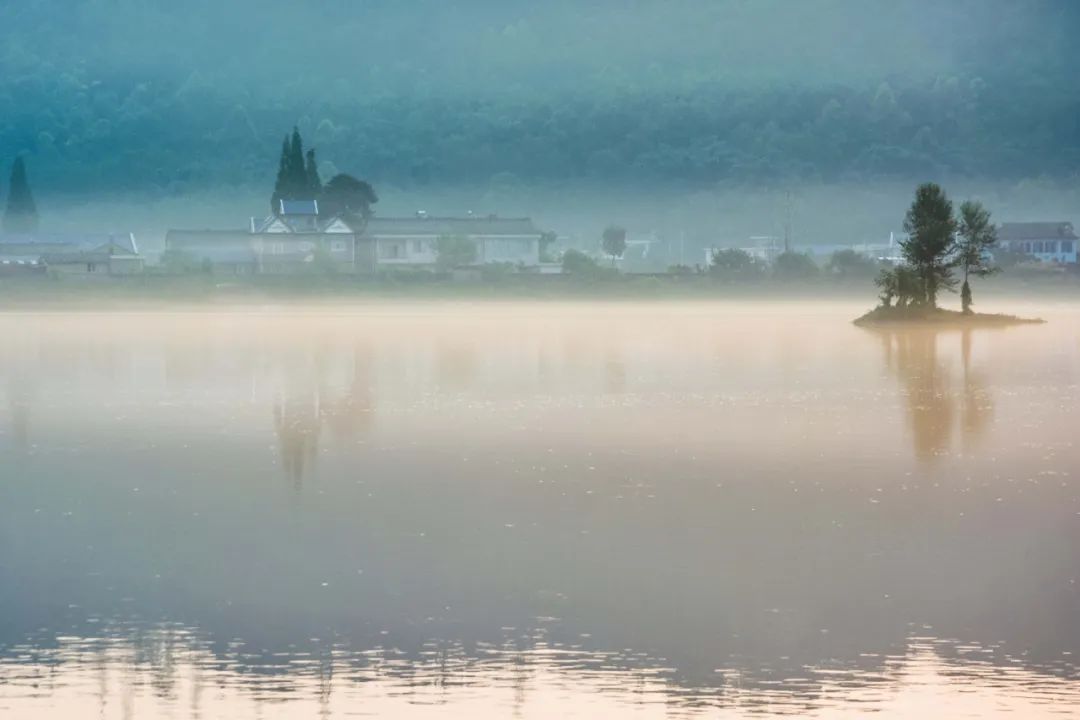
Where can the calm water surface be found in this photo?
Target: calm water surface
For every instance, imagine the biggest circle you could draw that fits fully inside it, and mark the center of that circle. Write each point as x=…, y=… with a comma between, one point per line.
x=537, y=511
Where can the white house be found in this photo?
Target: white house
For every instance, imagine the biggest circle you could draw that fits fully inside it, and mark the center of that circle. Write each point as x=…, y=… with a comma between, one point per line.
x=1046, y=241
x=293, y=240
x=413, y=241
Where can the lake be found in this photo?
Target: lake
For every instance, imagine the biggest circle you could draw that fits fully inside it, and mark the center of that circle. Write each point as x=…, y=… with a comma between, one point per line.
x=491, y=510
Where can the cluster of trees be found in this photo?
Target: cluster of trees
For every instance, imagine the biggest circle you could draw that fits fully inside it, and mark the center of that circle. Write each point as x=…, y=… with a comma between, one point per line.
x=298, y=179
x=938, y=244
x=541, y=91
x=20, y=213
x=735, y=264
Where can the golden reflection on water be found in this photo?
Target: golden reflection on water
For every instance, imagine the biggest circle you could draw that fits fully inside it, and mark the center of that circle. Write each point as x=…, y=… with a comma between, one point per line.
x=537, y=510
x=939, y=405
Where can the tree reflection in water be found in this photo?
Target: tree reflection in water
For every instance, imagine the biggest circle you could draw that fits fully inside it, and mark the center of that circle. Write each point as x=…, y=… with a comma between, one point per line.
x=938, y=405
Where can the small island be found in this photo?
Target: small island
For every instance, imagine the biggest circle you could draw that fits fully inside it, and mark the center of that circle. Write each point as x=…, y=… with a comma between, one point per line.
x=938, y=244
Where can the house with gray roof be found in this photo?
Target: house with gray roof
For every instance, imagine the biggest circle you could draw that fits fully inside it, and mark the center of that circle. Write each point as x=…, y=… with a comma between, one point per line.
x=1054, y=242
x=295, y=240
x=297, y=237
x=75, y=253
x=413, y=241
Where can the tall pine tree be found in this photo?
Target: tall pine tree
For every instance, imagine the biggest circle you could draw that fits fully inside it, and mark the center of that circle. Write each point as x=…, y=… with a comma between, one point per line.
x=21, y=215
x=311, y=170
x=280, y=185
x=297, y=172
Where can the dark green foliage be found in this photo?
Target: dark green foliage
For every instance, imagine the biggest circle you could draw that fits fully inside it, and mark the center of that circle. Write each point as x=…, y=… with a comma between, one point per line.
x=21, y=215
x=575, y=262
x=901, y=284
x=297, y=176
x=976, y=240
x=888, y=286
x=296, y=179
x=795, y=266
x=966, y=87
x=348, y=197
x=849, y=265
x=311, y=173
x=281, y=183
x=736, y=264
x=454, y=251
x=928, y=249
x=614, y=242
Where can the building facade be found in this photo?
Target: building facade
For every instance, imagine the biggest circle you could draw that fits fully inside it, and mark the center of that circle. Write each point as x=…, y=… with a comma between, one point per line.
x=299, y=239
x=75, y=253
x=1054, y=242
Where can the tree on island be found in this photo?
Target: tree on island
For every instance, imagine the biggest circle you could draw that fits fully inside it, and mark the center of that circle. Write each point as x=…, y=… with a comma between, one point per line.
x=614, y=242
x=976, y=238
x=20, y=216
x=928, y=249
x=900, y=284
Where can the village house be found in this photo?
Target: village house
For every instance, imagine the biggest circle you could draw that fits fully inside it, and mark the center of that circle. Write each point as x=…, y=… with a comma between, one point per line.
x=1045, y=241
x=294, y=240
x=413, y=242
x=298, y=238
x=73, y=254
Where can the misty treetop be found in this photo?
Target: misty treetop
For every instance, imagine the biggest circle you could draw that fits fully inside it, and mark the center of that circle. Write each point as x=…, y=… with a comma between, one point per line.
x=20, y=213
x=698, y=91
x=298, y=179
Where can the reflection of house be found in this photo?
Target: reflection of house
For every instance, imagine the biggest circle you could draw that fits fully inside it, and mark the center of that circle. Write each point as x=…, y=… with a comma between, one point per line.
x=73, y=254
x=414, y=241
x=1046, y=241
x=294, y=240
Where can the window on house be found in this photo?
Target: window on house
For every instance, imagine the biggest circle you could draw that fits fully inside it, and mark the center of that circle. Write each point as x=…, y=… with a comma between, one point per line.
x=91, y=267
x=338, y=246
x=1066, y=246
x=1050, y=246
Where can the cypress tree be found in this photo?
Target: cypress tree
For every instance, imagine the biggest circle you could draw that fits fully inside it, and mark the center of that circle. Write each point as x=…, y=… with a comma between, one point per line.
x=311, y=170
x=282, y=178
x=21, y=214
x=298, y=180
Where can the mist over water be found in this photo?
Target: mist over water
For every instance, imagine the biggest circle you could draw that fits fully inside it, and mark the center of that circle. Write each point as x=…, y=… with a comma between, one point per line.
x=626, y=509
x=264, y=453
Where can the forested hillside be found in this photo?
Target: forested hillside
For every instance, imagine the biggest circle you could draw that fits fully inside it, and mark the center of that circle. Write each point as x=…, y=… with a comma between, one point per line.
x=167, y=97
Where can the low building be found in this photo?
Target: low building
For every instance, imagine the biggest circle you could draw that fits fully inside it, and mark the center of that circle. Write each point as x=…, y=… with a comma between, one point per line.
x=1045, y=241
x=414, y=242
x=295, y=240
x=298, y=239
x=75, y=253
